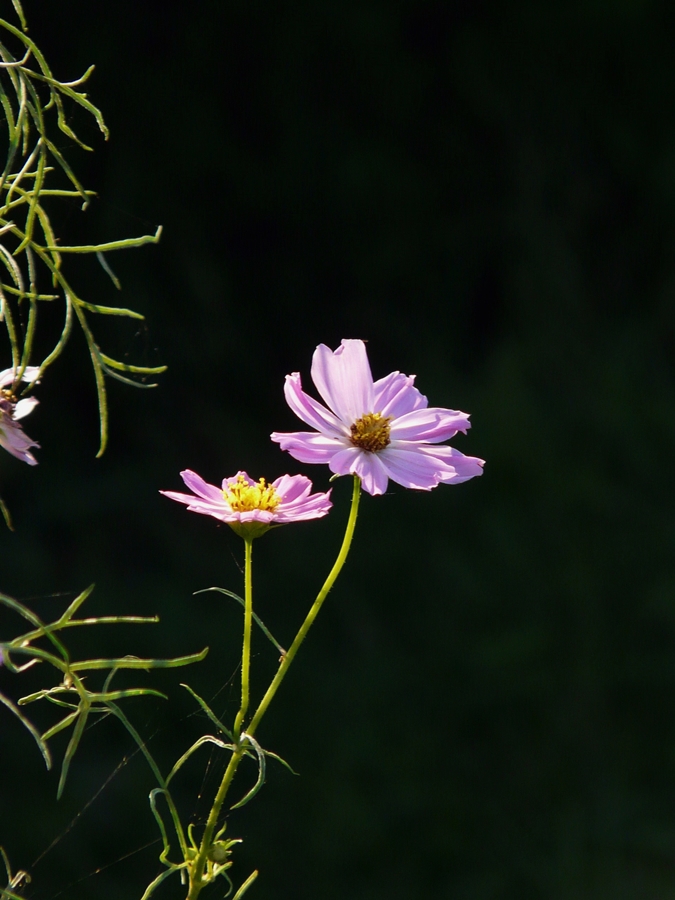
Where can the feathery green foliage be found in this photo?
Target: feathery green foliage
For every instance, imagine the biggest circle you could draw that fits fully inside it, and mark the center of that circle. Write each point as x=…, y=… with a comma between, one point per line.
x=71, y=694
x=31, y=255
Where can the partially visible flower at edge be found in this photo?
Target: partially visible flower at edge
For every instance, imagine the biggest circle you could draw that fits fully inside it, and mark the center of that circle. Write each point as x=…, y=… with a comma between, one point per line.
x=376, y=430
x=251, y=507
x=12, y=436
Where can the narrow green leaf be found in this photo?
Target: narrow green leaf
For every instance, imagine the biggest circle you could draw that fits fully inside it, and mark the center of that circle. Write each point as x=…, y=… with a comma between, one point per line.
x=205, y=739
x=14, y=270
x=110, y=310
x=73, y=744
x=246, y=885
x=19, y=11
x=35, y=653
x=33, y=199
x=114, y=708
x=98, y=374
x=107, y=696
x=114, y=620
x=65, y=88
x=158, y=818
x=37, y=623
x=261, y=771
x=103, y=262
x=23, y=294
x=6, y=514
x=156, y=772
x=281, y=760
x=100, y=620
x=75, y=605
x=27, y=340
x=44, y=749
x=149, y=891
x=65, y=334
x=136, y=370
x=64, y=723
x=133, y=662
x=58, y=156
x=10, y=895
x=111, y=245
x=46, y=694
x=257, y=619
x=130, y=381
x=209, y=712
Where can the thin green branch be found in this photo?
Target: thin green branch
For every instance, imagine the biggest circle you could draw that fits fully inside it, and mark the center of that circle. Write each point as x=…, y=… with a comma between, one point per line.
x=111, y=245
x=39, y=739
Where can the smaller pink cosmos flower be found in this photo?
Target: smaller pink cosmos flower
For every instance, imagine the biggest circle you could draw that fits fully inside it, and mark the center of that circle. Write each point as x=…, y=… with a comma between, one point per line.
x=252, y=507
x=374, y=429
x=12, y=436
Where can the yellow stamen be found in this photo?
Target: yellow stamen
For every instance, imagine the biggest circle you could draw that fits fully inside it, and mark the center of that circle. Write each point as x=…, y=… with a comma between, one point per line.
x=371, y=432
x=244, y=497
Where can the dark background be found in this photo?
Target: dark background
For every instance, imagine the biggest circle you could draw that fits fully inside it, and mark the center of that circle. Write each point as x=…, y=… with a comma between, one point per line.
x=486, y=193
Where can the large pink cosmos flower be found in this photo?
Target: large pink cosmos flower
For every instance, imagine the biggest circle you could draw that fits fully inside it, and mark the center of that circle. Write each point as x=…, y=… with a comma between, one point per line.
x=252, y=507
x=376, y=430
x=12, y=436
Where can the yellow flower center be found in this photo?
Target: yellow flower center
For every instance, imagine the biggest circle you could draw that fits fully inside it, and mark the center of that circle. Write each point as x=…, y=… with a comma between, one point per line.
x=244, y=497
x=371, y=432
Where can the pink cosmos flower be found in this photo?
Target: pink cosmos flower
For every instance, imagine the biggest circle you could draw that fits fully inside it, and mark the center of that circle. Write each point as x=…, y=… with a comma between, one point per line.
x=252, y=507
x=12, y=436
x=376, y=430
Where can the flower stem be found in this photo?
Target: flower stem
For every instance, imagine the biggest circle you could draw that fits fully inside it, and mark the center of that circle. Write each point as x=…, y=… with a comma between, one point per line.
x=314, y=611
x=197, y=882
x=197, y=868
x=246, y=650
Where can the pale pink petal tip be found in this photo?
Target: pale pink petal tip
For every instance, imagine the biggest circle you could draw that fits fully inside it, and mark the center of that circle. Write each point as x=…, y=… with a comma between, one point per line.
x=410, y=451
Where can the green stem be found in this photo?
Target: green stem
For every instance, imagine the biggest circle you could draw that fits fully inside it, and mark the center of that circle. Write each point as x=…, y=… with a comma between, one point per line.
x=196, y=872
x=246, y=650
x=314, y=611
x=197, y=868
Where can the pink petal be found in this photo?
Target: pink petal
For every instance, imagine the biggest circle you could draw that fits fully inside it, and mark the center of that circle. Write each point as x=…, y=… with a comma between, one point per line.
x=200, y=487
x=344, y=380
x=344, y=460
x=292, y=488
x=31, y=374
x=314, y=507
x=395, y=395
x=25, y=406
x=176, y=495
x=433, y=424
x=15, y=440
x=235, y=479
x=315, y=502
x=456, y=467
x=411, y=468
x=373, y=475
x=309, y=410
x=256, y=515
x=309, y=447
x=366, y=465
x=8, y=376
x=194, y=504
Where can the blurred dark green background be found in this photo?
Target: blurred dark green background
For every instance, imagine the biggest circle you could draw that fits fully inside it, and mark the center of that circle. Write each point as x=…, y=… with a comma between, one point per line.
x=486, y=193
